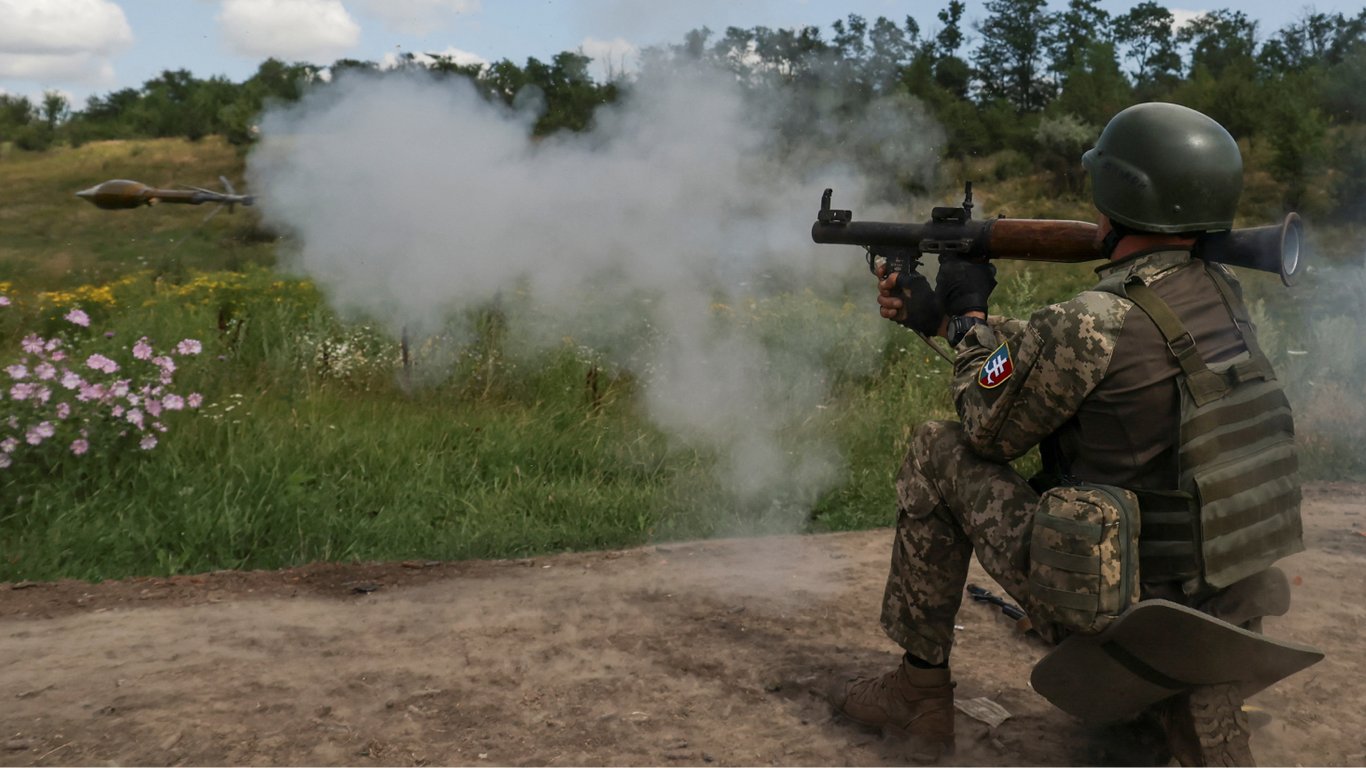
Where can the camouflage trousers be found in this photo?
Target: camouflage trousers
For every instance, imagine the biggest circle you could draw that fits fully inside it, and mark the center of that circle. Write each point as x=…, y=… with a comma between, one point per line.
x=951, y=502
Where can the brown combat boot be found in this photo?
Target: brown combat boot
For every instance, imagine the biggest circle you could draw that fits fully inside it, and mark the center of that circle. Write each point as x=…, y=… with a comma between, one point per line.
x=908, y=702
x=1208, y=727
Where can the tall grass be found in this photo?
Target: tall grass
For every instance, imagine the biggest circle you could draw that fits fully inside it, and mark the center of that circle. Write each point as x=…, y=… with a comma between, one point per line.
x=319, y=442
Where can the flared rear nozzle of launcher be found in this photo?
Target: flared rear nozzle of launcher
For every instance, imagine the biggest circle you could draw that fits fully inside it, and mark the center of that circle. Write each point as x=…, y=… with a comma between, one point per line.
x=121, y=194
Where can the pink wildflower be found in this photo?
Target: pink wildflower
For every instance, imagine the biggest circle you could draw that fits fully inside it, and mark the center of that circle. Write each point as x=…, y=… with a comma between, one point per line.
x=172, y=403
x=153, y=407
x=78, y=317
x=71, y=379
x=32, y=344
x=38, y=433
x=90, y=392
x=4, y=301
x=195, y=400
x=116, y=411
x=148, y=442
x=101, y=363
x=189, y=347
x=43, y=394
x=52, y=344
x=45, y=371
x=8, y=445
x=142, y=350
x=134, y=417
x=57, y=356
x=166, y=364
x=63, y=410
x=17, y=371
x=21, y=391
x=79, y=447
x=120, y=388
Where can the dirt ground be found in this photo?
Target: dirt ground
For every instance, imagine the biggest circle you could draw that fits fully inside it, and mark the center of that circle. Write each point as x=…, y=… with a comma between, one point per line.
x=682, y=654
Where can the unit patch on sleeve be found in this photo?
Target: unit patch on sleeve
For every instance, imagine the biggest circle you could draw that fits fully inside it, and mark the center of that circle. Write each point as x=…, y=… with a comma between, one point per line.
x=996, y=369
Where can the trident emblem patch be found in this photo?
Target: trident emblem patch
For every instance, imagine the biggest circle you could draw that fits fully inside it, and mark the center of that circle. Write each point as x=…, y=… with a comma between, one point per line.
x=996, y=369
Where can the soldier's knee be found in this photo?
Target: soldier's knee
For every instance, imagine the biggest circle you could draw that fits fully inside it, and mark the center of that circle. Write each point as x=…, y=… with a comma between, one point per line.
x=938, y=446
x=931, y=438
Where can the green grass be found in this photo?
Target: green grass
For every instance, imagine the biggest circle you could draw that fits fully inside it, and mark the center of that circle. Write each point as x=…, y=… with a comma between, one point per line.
x=316, y=444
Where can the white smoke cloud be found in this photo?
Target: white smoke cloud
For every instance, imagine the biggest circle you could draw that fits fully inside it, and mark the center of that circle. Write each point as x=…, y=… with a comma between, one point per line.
x=61, y=40
x=417, y=17
x=311, y=30
x=411, y=200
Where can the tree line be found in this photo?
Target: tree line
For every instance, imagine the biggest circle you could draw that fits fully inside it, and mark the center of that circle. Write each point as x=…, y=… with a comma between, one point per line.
x=1022, y=78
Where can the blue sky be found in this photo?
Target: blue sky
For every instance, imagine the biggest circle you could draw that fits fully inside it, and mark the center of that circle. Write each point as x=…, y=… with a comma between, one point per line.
x=82, y=47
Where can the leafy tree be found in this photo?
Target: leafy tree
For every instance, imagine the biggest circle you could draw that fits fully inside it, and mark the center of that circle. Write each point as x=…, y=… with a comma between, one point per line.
x=1145, y=34
x=1344, y=88
x=1234, y=98
x=950, y=36
x=1219, y=39
x=1010, y=60
x=1349, y=190
x=1297, y=132
x=1094, y=88
x=1059, y=142
x=55, y=110
x=1083, y=24
x=16, y=114
x=1299, y=45
x=891, y=49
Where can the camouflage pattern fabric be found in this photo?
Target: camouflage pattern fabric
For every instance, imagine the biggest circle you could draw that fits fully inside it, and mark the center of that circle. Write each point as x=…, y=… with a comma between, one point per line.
x=1083, y=555
x=956, y=495
x=951, y=502
x=1057, y=359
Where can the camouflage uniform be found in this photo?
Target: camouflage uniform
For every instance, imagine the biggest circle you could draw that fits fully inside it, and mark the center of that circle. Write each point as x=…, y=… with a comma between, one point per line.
x=1092, y=379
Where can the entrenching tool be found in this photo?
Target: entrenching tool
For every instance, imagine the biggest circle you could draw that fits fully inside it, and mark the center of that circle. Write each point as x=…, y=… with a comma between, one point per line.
x=1156, y=650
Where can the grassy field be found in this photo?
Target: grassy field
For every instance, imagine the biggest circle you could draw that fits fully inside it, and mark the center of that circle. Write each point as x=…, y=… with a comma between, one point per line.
x=315, y=440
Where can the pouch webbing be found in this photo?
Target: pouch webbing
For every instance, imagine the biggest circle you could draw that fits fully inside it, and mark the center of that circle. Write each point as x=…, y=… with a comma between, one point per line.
x=1236, y=451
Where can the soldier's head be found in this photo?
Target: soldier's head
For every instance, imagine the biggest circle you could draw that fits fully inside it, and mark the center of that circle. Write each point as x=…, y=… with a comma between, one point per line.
x=1166, y=169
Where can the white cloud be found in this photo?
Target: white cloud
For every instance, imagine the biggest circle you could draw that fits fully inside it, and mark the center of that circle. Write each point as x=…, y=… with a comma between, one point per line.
x=390, y=60
x=1182, y=17
x=615, y=56
x=61, y=40
x=417, y=17
x=311, y=30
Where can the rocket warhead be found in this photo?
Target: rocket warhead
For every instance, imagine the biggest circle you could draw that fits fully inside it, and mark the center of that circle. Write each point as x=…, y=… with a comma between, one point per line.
x=118, y=194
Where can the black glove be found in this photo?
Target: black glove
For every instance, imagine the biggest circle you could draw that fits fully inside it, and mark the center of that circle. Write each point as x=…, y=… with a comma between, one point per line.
x=963, y=286
x=924, y=312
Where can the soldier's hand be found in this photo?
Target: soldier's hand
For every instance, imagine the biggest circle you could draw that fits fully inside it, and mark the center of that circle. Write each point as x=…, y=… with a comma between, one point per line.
x=908, y=300
x=964, y=286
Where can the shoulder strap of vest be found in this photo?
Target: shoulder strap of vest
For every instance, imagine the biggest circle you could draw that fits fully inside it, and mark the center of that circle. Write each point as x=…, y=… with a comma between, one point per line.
x=1259, y=367
x=1205, y=385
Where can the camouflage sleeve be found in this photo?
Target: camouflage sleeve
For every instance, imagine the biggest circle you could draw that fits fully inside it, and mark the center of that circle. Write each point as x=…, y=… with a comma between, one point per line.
x=1015, y=383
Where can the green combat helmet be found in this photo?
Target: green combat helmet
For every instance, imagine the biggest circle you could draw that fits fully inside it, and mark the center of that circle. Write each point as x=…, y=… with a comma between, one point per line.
x=1166, y=168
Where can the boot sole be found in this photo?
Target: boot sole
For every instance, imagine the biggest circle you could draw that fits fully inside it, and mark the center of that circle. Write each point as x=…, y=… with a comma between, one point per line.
x=1221, y=725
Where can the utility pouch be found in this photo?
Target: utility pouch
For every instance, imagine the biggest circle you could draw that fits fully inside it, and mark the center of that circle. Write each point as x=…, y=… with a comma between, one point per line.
x=1083, y=556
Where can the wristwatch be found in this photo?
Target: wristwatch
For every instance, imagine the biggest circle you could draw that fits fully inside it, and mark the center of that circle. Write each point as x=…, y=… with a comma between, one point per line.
x=959, y=325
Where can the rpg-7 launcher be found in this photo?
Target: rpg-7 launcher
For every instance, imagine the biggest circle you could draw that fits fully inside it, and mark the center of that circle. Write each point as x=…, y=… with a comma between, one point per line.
x=952, y=233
